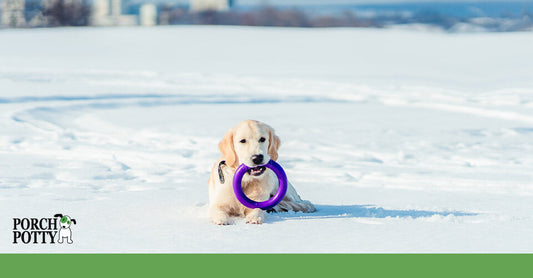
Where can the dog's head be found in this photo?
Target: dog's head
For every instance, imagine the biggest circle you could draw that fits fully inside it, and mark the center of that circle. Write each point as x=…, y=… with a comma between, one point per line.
x=252, y=143
x=65, y=220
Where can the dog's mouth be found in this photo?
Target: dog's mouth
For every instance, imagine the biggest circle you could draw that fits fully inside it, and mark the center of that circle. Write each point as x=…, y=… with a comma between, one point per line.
x=257, y=171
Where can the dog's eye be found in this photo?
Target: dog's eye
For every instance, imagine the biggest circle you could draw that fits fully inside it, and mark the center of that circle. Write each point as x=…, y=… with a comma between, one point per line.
x=262, y=139
x=243, y=141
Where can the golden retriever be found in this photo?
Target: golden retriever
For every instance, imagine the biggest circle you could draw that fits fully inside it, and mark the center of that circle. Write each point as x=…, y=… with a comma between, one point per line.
x=252, y=143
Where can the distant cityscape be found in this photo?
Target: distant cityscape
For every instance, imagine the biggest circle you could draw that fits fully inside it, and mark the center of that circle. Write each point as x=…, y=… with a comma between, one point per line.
x=453, y=17
x=15, y=13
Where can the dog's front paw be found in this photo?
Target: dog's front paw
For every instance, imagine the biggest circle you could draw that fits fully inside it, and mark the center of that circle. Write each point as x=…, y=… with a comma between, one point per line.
x=219, y=216
x=255, y=220
x=221, y=220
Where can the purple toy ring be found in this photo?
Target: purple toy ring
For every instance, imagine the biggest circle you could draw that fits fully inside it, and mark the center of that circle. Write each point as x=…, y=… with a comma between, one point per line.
x=272, y=202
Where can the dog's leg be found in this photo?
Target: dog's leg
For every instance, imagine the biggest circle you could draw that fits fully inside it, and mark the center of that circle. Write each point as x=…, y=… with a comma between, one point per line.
x=292, y=201
x=255, y=216
x=69, y=237
x=219, y=216
x=60, y=239
x=258, y=191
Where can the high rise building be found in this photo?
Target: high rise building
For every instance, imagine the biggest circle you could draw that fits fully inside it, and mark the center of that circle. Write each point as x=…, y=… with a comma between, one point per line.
x=13, y=13
x=109, y=13
x=205, y=5
x=148, y=15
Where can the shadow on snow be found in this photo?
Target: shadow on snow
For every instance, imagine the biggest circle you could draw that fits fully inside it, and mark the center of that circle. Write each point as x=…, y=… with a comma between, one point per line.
x=363, y=211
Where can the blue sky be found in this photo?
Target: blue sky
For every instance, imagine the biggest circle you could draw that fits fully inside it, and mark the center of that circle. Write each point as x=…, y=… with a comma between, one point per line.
x=301, y=2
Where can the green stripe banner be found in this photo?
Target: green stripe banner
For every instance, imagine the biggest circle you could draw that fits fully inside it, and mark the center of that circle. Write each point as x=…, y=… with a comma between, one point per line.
x=268, y=265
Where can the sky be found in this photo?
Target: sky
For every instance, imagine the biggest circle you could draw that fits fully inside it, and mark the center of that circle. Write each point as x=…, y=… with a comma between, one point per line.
x=289, y=2
x=312, y=2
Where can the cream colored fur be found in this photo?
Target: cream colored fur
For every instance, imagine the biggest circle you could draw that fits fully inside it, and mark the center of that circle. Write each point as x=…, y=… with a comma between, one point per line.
x=222, y=201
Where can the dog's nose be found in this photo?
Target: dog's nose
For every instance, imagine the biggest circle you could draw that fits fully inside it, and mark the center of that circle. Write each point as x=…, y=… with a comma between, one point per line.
x=257, y=158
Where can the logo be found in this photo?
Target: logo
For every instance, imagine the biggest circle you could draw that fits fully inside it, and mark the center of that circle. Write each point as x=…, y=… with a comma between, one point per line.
x=43, y=230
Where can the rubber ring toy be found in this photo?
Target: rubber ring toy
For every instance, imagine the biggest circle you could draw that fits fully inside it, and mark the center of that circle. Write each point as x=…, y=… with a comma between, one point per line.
x=268, y=204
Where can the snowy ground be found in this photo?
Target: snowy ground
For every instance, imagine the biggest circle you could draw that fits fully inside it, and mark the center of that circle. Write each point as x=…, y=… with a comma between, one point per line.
x=405, y=141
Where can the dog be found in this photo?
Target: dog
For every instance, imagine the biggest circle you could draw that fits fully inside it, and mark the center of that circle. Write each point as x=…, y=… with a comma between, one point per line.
x=253, y=143
x=64, y=230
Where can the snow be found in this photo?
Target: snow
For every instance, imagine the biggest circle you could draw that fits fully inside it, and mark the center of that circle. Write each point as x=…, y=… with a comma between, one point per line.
x=405, y=141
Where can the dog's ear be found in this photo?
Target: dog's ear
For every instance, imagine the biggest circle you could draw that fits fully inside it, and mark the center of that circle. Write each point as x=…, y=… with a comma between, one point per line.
x=73, y=221
x=58, y=215
x=273, y=144
x=227, y=149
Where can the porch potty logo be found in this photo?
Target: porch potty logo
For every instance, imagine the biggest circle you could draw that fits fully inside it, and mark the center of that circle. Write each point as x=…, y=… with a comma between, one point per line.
x=43, y=230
